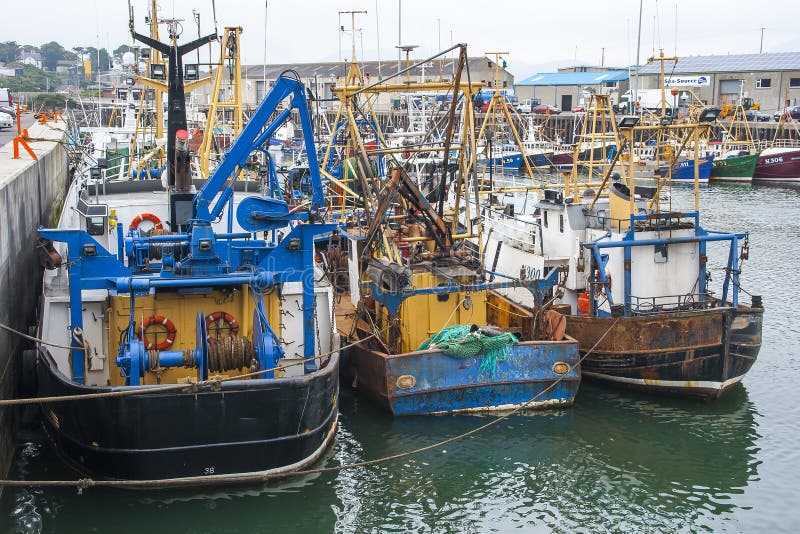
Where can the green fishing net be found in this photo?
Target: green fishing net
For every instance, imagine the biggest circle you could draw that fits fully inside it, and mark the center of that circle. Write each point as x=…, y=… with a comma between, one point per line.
x=459, y=342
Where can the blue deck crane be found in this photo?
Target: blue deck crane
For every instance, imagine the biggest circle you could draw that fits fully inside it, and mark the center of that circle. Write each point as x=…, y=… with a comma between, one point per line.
x=201, y=258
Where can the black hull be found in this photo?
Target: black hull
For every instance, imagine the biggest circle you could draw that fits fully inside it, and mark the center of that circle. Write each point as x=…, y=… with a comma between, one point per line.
x=698, y=354
x=247, y=427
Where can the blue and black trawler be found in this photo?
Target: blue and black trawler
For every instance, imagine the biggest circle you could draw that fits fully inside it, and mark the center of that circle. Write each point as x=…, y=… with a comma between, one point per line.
x=232, y=315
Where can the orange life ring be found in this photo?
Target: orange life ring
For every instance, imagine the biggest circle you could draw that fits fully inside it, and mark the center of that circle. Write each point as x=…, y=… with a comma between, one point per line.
x=163, y=321
x=233, y=324
x=146, y=217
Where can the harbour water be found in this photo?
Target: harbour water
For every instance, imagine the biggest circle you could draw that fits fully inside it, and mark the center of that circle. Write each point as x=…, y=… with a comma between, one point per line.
x=616, y=461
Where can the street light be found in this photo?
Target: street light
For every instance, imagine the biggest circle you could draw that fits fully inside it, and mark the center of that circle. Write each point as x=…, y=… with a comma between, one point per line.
x=407, y=49
x=629, y=121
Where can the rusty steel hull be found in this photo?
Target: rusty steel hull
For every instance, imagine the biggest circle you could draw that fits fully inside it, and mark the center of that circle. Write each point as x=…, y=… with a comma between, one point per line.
x=429, y=382
x=698, y=353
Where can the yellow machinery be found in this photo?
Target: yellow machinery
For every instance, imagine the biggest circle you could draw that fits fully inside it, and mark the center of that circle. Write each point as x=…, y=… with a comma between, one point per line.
x=733, y=109
x=229, y=106
x=422, y=316
x=177, y=315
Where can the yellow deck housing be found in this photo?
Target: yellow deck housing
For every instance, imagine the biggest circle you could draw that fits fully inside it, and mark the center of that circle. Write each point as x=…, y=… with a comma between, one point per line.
x=422, y=316
x=182, y=310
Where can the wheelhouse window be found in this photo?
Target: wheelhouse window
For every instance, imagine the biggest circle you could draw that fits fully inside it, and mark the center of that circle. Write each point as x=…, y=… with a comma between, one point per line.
x=545, y=218
x=561, y=223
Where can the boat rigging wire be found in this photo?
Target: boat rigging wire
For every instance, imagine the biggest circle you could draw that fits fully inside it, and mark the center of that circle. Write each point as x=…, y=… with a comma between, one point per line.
x=205, y=481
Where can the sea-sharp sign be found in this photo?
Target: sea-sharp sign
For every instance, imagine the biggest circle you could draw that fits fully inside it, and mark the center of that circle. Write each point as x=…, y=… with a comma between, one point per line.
x=687, y=81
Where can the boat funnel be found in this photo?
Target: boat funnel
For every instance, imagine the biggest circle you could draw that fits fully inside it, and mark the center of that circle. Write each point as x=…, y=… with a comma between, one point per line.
x=182, y=179
x=619, y=200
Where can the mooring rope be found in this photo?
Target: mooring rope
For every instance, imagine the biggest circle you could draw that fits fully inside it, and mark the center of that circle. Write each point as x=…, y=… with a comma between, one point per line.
x=85, y=483
x=190, y=387
x=35, y=339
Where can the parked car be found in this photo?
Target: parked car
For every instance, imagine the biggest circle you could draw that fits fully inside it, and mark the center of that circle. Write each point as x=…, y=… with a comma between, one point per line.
x=6, y=121
x=793, y=112
x=8, y=110
x=579, y=109
x=757, y=116
x=547, y=109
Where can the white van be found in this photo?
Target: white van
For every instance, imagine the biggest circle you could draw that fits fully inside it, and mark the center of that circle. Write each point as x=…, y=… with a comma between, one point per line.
x=527, y=105
x=5, y=97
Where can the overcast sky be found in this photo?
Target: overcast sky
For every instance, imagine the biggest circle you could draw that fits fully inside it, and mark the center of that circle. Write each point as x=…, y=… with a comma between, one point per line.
x=539, y=35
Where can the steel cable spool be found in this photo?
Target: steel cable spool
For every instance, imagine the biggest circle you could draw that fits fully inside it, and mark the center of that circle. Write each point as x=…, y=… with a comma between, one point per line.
x=155, y=248
x=230, y=353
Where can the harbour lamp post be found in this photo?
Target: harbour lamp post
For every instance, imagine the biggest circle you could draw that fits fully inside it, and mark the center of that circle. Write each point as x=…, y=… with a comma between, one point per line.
x=407, y=49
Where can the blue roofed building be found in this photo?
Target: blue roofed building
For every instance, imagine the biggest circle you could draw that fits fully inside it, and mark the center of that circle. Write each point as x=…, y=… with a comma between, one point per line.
x=572, y=86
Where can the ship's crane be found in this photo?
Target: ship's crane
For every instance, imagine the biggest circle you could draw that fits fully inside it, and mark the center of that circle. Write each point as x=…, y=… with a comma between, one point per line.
x=200, y=258
x=259, y=213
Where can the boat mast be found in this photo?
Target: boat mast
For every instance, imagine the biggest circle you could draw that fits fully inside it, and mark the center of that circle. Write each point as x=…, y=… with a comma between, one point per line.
x=179, y=182
x=661, y=59
x=638, y=52
x=498, y=106
x=230, y=52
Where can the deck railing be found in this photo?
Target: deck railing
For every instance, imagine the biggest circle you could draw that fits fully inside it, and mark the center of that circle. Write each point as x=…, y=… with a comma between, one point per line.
x=665, y=303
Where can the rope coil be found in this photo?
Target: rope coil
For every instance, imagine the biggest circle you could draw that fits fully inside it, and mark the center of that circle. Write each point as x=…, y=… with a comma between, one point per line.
x=265, y=477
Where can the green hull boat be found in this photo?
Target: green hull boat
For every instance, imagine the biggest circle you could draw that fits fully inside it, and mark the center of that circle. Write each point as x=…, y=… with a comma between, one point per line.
x=736, y=168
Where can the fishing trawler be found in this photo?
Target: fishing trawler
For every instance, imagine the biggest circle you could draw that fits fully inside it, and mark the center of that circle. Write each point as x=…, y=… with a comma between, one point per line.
x=658, y=326
x=739, y=154
x=431, y=333
x=196, y=349
x=683, y=170
x=780, y=162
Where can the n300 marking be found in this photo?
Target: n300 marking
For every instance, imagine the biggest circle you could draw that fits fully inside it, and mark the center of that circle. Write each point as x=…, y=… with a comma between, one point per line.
x=531, y=273
x=773, y=160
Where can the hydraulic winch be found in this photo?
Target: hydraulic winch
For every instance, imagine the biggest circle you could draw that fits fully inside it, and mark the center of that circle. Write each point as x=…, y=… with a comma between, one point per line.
x=211, y=355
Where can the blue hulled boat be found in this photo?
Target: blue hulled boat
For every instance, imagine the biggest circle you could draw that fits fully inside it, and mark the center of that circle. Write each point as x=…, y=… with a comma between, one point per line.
x=683, y=171
x=437, y=335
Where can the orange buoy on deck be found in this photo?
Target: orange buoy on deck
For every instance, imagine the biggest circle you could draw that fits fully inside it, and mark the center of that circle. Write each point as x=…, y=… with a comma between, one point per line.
x=583, y=304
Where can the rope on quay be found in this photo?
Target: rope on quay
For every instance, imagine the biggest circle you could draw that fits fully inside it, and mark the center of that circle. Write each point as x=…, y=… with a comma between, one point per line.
x=85, y=483
x=191, y=387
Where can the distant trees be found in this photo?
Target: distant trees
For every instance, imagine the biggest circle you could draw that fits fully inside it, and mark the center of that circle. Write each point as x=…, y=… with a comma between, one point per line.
x=118, y=51
x=52, y=53
x=9, y=51
x=32, y=79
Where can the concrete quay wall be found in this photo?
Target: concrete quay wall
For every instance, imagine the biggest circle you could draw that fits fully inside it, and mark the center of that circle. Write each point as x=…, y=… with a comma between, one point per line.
x=30, y=191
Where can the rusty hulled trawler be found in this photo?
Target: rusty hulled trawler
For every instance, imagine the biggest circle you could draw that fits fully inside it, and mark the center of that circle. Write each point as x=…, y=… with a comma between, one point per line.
x=657, y=326
x=211, y=343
